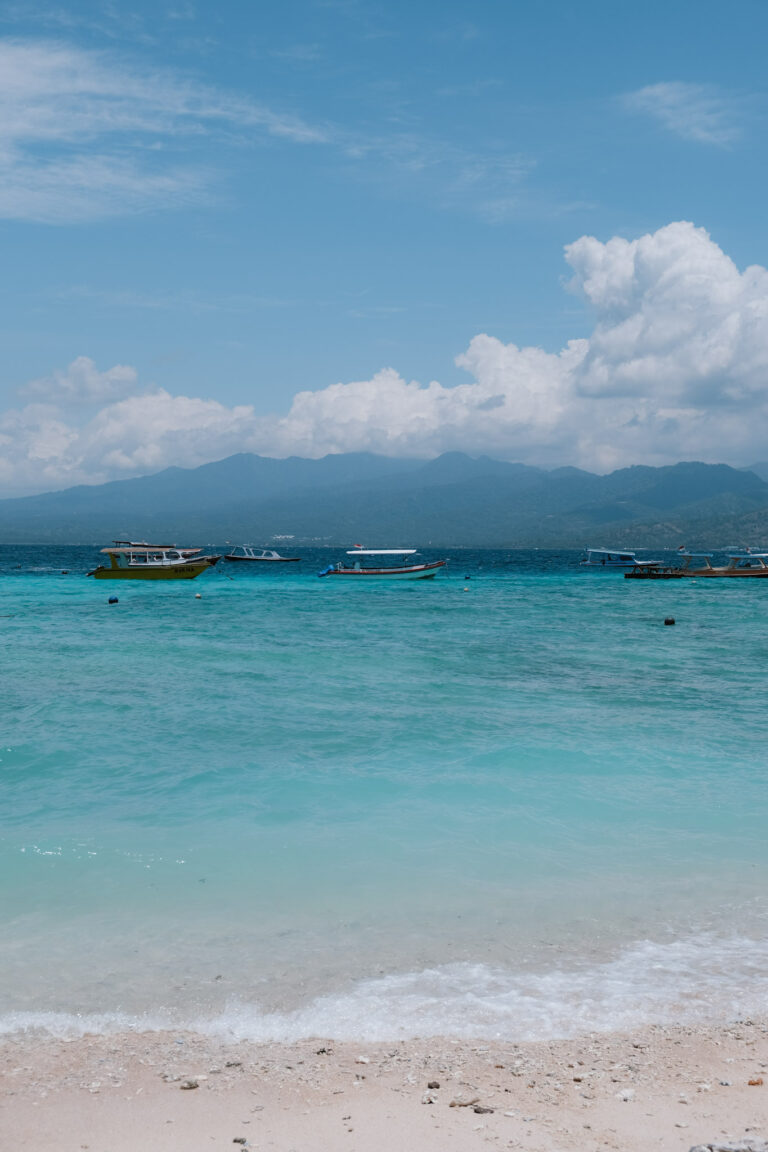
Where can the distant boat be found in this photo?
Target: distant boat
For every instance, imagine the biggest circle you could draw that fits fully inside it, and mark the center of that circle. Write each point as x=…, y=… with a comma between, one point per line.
x=360, y=572
x=129, y=560
x=695, y=564
x=245, y=552
x=614, y=558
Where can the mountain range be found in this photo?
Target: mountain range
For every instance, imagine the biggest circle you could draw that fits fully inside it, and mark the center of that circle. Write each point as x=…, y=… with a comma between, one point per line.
x=452, y=501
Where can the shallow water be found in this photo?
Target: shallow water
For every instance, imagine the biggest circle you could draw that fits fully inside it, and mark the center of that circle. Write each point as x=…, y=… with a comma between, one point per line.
x=516, y=804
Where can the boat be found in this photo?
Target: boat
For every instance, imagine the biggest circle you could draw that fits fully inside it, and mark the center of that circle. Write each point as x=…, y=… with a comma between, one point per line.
x=267, y=555
x=132, y=560
x=613, y=558
x=699, y=564
x=355, y=571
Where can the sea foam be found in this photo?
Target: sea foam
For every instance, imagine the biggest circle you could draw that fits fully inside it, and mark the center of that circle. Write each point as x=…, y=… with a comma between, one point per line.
x=699, y=979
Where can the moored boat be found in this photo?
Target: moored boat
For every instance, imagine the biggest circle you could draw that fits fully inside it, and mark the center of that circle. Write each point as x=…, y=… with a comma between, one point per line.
x=244, y=552
x=129, y=560
x=613, y=558
x=696, y=564
x=360, y=572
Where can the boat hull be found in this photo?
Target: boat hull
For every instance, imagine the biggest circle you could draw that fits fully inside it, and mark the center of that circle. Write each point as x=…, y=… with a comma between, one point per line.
x=264, y=559
x=728, y=574
x=186, y=571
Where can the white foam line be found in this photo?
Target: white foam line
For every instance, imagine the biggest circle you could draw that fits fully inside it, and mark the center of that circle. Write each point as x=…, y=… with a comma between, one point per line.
x=694, y=979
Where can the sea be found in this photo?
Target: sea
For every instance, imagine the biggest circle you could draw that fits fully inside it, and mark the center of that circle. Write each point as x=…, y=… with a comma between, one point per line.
x=509, y=802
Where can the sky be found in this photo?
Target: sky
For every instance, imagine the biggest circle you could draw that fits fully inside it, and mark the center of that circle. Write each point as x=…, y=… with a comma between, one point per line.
x=534, y=230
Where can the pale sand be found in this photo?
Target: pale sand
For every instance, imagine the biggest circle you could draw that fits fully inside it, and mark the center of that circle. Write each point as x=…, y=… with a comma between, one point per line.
x=666, y=1088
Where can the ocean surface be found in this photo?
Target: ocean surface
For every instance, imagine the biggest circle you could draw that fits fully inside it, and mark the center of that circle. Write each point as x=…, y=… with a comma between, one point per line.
x=506, y=802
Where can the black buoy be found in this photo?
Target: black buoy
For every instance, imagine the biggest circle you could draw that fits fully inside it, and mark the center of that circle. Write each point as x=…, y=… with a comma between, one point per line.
x=467, y=577
x=669, y=619
x=114, y=600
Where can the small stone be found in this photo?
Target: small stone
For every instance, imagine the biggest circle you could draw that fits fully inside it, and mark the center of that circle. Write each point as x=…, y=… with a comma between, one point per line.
x=233, y=1064
x=756, y=1082
x=362, y=1060
x=626, y=1095
x=482, y=1110
x=433, y=1084
x=188, y=1084
x=239, y=1140
x=429, y=1098
x=462, y=1101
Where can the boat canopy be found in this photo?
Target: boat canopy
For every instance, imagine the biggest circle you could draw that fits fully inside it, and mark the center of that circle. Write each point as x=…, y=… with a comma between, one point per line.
x=141, y=544
x=382, y=551
x=145, y=549
x=748, y=555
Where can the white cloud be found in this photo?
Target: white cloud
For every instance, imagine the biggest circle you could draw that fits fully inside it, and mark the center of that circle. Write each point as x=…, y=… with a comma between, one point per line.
x=86, y=135
x=82, y=383
x=78, y=129
x=694, y=111
x=676, y=368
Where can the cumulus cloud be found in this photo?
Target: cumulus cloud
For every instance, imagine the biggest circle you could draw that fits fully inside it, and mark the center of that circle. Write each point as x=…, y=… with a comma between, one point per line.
x=82, y=383
x=693, y=111
x=676, y=367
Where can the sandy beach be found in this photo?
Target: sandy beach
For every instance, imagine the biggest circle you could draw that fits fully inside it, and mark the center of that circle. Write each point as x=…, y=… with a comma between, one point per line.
x=664, y=1087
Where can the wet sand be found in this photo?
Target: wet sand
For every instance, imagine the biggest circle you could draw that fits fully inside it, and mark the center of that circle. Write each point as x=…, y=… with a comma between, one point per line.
x=664, y=1087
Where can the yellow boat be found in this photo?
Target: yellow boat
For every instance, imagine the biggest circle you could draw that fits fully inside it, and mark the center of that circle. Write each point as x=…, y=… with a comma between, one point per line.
x=129, y=560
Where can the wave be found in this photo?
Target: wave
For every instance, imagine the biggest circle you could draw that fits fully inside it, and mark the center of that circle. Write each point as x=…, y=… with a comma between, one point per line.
x=693, y=980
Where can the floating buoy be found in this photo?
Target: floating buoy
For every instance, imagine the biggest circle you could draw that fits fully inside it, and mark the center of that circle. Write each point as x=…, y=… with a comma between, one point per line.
x=113, y=600
x=669, y=619
x=198, y=595
x=467, y=577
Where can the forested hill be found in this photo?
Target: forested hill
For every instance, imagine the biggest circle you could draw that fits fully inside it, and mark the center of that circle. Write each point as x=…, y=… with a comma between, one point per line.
x=454, y=500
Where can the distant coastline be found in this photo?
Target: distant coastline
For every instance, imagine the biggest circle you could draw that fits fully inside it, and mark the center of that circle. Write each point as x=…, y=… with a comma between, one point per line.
x=454, y=501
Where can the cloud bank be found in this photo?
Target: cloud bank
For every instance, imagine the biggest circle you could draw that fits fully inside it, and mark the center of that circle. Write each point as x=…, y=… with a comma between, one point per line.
x=676, y=367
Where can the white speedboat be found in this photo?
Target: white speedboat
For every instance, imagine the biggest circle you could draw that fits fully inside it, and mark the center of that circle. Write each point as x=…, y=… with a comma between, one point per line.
x=357, y=571
x=267, y=555
x=614, y=558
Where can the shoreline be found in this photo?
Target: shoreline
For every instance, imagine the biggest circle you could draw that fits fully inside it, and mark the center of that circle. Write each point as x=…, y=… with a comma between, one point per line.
x=669, y=1087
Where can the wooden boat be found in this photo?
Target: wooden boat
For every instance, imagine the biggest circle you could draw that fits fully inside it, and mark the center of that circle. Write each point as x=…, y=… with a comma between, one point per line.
x=747, y=564
x=245, y=552
x=699, y=564
x=357, y=572
x=129, y=560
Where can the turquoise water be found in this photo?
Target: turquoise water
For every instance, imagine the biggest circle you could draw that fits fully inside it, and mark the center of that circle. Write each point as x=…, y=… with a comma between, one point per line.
x=512, y=805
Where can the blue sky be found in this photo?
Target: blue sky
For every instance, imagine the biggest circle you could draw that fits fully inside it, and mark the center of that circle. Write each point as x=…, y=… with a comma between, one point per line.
x=206, y=210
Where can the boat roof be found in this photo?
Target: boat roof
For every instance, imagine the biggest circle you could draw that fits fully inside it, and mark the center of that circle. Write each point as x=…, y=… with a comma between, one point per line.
x=382, y=551
x=697, y=555
x=748, y=555
x=612, y=551
x=140, y=544
x=125, y=547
